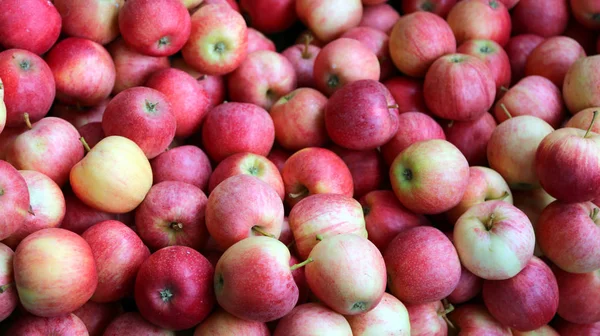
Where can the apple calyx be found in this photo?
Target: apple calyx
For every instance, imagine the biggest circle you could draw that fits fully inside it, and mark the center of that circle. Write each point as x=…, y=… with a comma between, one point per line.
x=25, y=64
x=176, y=226
x=594, y=214
x=262, y=232
x=502, y=197
x=27, y=120
x=595, y=17
x=486, y=49
x=166, y=295
x=366, y=210
x=163, y=41
x=448, y=308
x=5, y=287
x=1, y=191
x=595, y=114
x=333, y=81
x=302, y=264
x=407, y=174
x=85, y=145
x=201, y=77
x=307, y=39
x=303, y=192
x=219, y=47
x=503, y=107
x=359, y=306
x=150, y=106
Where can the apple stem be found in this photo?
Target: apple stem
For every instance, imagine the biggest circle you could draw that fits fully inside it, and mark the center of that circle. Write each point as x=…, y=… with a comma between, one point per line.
x=27, y=120
x=490, y=222
x=448, y=308
x=594, y=214
x=503, y=107
x=395, y=106
x=30, y=210
x=3, y=288
x=299, y=194
x=451, y=123
x=262, y=232
x=319, y=237
x=307, y=39
x=503, y=88
x=591, y=124
x=291, y=244
x=504, y=195
x=302, y=264
x=85, y=145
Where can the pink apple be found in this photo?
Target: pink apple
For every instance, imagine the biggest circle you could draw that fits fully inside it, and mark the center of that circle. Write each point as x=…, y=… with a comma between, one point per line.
x=258, y=41
x=302, y=57
x=578, y=293
x=585, y=12
x=97, y=316
x=317, y=16
x=532, y=203
x=185, y=164
x=551, y=17
x=68, y=324
x=381, y=16
x=378, y=42
x=91, y=19
x=14, y=200
x=579, y=90
x=553, y=58
x=565, y=328
x=492, y=54
x=315, y=319
x=474, y=319
x=270, y=16
x=369, y=171
x=388, y=317
x=439, y=7
x=79, y=116
x=8, y=293
x=221, y=323
x=480, y=19
x=408, y=94
x=78, y=216
x=471, y=137
x=213, y=86
x=428, y=319
x=518, y=50
x=469, y=285
x=583, y=120
x=132, y=323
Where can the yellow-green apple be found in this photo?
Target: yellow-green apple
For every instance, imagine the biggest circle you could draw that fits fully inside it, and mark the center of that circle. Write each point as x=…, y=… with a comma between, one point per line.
x=512, y=149
x=335, y=272
x=32, y=25
x=378, y=42
x=494, y=240
x=381, y=16
x=368, y=170
x=532, y=203
x=258, y=41
x=50, y=146
x=253, y=280
x=430, y=176
x=8, y=293
x=583, y=120
x=185, y=164
x=578, y=87
x=389, y=317
x=232, y=128
x=422, y=265
x=79, y=116
x=302, y=57
x=361, y=115
x=568, y=234
x=278, y=156
x=329, y=19
x=270, y=16
x=155, y=28
x=417, y=40
x=485, y=184
x=553, y=58
x=469, y=285
x=261, y=79
x=173, y=288
x=29, y=86
x=132, y=323
x=189, y=102
x=408, y=93
x=474, y=319
x=428, y=319
x=578, y=296
x=131, y=67
x=77, y=82
x=95, y=20
x=68, y=324
x=586, y=12
x=79, y=216
x=214, y=86
x=248, y=164
x=46, y=208
x=322, y=216
x=385, y=217
x=299, y=119
x=92, y=133
x=55, y=272
x=114, y=176
x=97, y=316
x=342, y=61
x=459, y=87
x=545, y=330
x=518, y=49
x=525, y=302
x=480, y=19
x=14, y=200
x=221, y=323
x=492, y=54
x=119, y=253
x=218, y=41
x=439, y=7
x=412, y=127
x=535, y=96
x=471, y=137
x=313, y=319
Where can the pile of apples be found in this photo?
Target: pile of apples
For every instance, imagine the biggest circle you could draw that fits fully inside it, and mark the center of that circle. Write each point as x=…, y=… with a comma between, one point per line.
x=299, y=167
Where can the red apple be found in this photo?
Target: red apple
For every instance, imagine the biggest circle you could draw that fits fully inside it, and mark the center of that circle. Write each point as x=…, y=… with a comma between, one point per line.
x=439, y=7
x=469, y=285
x=92, y=133
x=8, y=293
x=302, y=57
x=313, y=319
x=586, y=12
x=90, y=19
x=278, y=156
x=428, y=319
x=480, y=19
x=579, y=88
x=578, y=296
x=583, y=120
x=474, y=319
x=97, y=316
x=68, y=324
x=221, y=323
x=78, y=216
x=381, y=16
x=518, y=49
x=378, y=42
x=317, y=16
x=532, y=203
x=551, y=17
x=79, y=116
x=185, y=164
x=471, y=137
x=408, y=94
x=133, y=324
x=492, y=54
x=286, y=236
x=553, y=58
x=258, y=41
x=270, y=16
x=14, y=200
x=213, y=86
x=388, y=317
x=369, y=171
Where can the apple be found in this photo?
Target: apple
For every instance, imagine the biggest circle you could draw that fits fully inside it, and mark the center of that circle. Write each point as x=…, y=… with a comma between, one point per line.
x=545, y=330
x=55, y=272
x=343, y=61
x=91, y=19
x=471, y=137
x=270, y=16
x=585, y=37
x=586, y=12
x=532, y=203
x=286, y=236
x=8, y=294
x=218, y=42
x=79, y=116
x=258, y=41
x=428, y=319
x=369, y=171
x=114, y=176
x=526, y=301
x=512, y=148
x=459, y=87
x=233, y=4
x=545, y=61
x=7, y=137
x=469, y=285
x=261, y=79
x=253, y=280
x=299, y=278
x=551, y=17
x=46, y=208
x=329, y=19
x=79, y=216
x=221, y=323
x=509, y=3
x=439, y=7
x=302, y=57
x=565, y=328
x=132, y=323
x=577, y=296
x=14, y=200
x=248, y=164
x=279, y=156
x=97, y=316
x=24, y=74
x=313, y=319
x=185, y=164
x=307, y=36
x=579, y=90
x=232, y=128
x=32, y=25
x=381, y=16
x=214, y=86
x=474, y=319
x=389, y=317
x=492, y=54
x=408, y=94
x=518, y=49
x=132, y=68
x=299, y=119
x=430, y=176
x=92, y=133
x=378, y=42
x=67, y=324
x=480, y=19
x=417, y=40
x=583, y=120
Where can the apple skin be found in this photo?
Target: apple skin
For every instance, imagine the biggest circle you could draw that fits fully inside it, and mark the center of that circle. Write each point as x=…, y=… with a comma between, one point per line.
x=302, y=57
x=77, y=82
x=417, y=40
x=232, y=128
x=329, y=19
x=79, y=116
x=270, y=16
x=92, y=133
x=91, y=19
x=518, y=49
x=8, y=298
x=408, y=94
x=261, y=79
x=381, y=16
x=68, y=324
x=583, y=120
x=551, y=17
x=422, y=265
x=532, y=203
x=368, y=170
x=450, y=78
x=585, y=37
x=55, y=272
x=430, y=177
x=585, y=12
x=512, y=149
x=214, y=86
x=526, y=301
x=492, y=54
x=21, y=27
x=480, y=19
x=578, y=294
x=471, y=137
x=378, y=42
x=579, y=90
x=438, y=7
x=469, y=285
x=255, y=273
x=299, y=278
x=47, y=205
x=114, y=176
x=14, y=200
x=51, y=147
x=343, y=61
x=29, y=85
x=533, y=95
x=299, y=119
x=79, y=216
x=327, y=215
x=565, y=328
x=389, y=317
x=97, y=316
x=553, y=58
x=218, y=42
x=313, y=319
x=185, y=164
x=545, y=330
x=7, y=137
x=183, y=279
x=221, y=323
x=427, y=319
x=279, y=156
x=249, y=164
x=315, y=170
x=258, y=41
x=132, y=323
x=474, y=319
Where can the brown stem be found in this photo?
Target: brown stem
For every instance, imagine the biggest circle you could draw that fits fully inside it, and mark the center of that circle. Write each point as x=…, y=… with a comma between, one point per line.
x=490, y=222
x=395, y=106
x=448, y=308
x=85, y=145
x=591, y=124
x=262, y=232
x=302, y=264
x=307, y=39
x=27, y=120
x=503, y=107
x=5, y=287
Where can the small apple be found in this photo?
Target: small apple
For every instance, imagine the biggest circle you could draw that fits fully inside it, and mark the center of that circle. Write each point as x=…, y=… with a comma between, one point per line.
x=381, y=17
x=270, y=16
x=79, y=116
x=474, y=319
x=577, y=296
x=369, y=171
x=132, y=323
x=68, y=324
x=258, y=41
x=313, y=319
x=8, y=293
x=408, y=94
x=378, y=42
x=518, y=49
x=221, y=323
x=492, y=54
x=586, y=12
x=480, y=19
x=14, y=200
x=579, y=88
x=428, y=319
x=389, y=317
x=329, y=19
x=95, y=20
x=471, y=137
x=79, y=216
x=545, y=61
x=302, y=57
x=187, y=164
x=97, y=316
